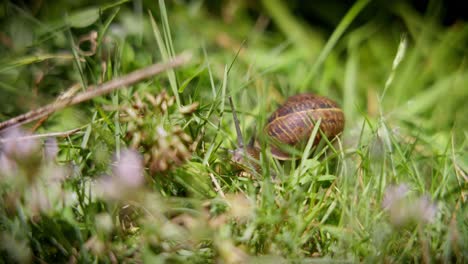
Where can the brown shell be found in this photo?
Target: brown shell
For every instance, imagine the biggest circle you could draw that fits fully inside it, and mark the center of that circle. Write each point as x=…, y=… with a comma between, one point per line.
x=294, y=121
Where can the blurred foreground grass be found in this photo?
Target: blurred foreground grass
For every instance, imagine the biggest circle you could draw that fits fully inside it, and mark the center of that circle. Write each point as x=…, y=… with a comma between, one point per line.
x=147, y=178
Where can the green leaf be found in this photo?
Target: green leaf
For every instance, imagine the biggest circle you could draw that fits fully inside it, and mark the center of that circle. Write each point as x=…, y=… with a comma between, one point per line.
x=84, y=17
x=326, y=177
x=186, y=82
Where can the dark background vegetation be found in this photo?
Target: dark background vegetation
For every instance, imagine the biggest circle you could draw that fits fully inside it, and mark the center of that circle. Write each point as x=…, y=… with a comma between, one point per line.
x=322, y=16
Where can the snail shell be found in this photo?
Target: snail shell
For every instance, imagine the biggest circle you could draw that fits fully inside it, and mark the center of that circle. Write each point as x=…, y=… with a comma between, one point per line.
x=293, y=122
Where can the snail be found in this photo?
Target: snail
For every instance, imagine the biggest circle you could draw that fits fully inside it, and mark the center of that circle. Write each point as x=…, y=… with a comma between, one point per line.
x=292, y=124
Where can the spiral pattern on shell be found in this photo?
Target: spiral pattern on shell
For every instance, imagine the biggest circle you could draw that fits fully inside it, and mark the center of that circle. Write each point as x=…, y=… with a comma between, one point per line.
x=293, y=122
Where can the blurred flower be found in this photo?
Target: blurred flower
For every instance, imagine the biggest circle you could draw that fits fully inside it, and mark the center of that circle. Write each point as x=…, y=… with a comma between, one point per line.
x=21, y=150
x=35, y=184
x=50, y=148
x=46, y=193
x=394, y=194
x=109, y=188
x=129, y=169
x=127, y=176
x=7, y=166
x=39, y=202
x=404, y=208
x=18, y=144
x=425, y=209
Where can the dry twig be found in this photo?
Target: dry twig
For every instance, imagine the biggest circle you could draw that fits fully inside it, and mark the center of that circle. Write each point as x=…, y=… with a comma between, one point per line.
x=217, y=186
x=45, y=135
x=98, y=90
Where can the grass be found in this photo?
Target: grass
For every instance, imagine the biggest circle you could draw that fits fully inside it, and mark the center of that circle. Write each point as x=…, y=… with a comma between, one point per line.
x=391, y=189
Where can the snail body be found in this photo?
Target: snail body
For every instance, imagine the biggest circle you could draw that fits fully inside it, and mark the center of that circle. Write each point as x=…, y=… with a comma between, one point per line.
x=292, y=124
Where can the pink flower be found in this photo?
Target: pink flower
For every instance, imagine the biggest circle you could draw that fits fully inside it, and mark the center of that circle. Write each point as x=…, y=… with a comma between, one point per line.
x=18, y=144
x=127, y=176
x=425, y=209
x=129, y=169
x=393, y=194
x=50, y=148
x=7, y=166
x=404, y=208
